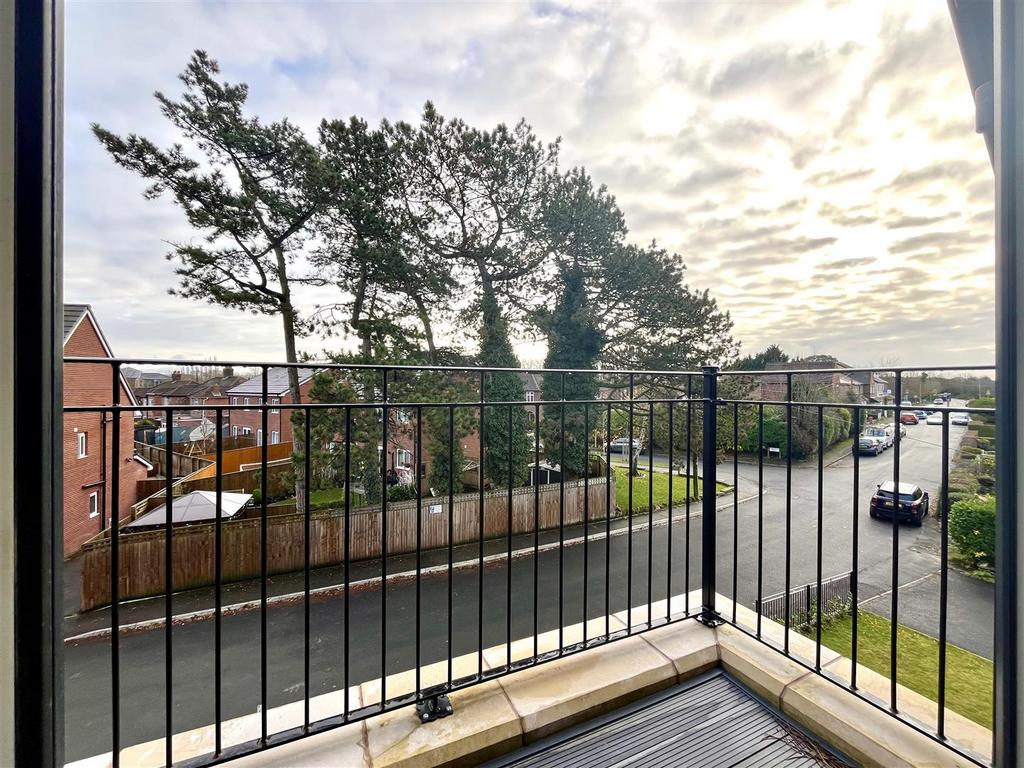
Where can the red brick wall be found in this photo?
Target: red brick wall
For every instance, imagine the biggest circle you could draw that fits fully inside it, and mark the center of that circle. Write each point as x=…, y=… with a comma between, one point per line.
x=91, y=385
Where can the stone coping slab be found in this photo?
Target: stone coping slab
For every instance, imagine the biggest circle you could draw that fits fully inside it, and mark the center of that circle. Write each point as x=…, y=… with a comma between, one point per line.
x=504, y=713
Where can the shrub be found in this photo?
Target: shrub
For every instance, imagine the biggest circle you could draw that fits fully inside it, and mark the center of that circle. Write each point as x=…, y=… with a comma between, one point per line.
x=985, y=430
x=971, y=451
x=972, y=527
x=982, y=402
x=401, y=492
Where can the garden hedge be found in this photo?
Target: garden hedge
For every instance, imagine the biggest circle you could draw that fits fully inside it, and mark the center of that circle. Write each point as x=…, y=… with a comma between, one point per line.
x=972, y=527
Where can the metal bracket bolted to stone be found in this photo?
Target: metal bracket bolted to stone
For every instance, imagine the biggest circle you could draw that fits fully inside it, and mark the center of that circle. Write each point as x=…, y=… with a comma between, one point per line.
x=434, y=708
x=711, y=619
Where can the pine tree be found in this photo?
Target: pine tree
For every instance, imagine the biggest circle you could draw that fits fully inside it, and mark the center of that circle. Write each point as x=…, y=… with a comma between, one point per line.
x=496, y=352
x=573, y=342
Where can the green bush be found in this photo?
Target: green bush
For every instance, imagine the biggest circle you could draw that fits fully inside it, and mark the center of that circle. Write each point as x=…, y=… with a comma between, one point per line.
x=972, y=527
x=401, y=492
x=987, y=443
x=985, y=430
x=971, y=451
x=774, y=432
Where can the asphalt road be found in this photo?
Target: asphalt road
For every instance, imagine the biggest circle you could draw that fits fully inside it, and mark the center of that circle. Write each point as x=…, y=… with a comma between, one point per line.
x=87, y=663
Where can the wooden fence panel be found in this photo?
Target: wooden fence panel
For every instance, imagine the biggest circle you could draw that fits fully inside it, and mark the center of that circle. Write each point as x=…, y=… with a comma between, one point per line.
x=142, y=554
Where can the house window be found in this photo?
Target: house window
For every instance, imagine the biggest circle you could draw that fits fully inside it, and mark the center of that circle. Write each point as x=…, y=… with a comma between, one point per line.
x=234, y=431
x=234, y=401
x=530, y=396
x=275, y=401
x=94, y=504
x=246, y=431
x=275, y=438
x=259, y=437
x=246, y=402
x=83, y=444
x=403, y=458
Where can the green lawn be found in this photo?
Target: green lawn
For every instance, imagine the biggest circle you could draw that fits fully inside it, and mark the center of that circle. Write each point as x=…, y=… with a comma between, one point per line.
x=641, y=489
x=326, y=498
x=968, y=677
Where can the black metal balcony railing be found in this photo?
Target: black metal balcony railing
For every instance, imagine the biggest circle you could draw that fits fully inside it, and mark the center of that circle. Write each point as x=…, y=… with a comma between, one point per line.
x=669, y=396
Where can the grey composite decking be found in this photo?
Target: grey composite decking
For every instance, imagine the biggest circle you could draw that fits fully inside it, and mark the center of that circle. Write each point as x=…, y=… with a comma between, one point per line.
x=713, y=721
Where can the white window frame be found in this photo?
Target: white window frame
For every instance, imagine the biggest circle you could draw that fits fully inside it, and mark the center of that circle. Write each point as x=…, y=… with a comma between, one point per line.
x=400, y=454
x=245, y=402
x=234, y=430
x=94, y=504
x=530, y=397
x=275, y=437
x=83, y=445
x=275, y=401
x=259, y=437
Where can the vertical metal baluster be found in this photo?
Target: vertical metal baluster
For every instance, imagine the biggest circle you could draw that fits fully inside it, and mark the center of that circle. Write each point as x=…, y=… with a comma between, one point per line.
x=821, y=507
x=115, y=618
x=689, y=470
x=586, y=513
x=508, y=560
x=789, y=505
x=264, y=488
x=629, y=516
x=536, y=523
x=480, y=531
x=668, y=554
x=760, y=513
x=419, y=539
x=561, y=514
x=168, y=587
x=306, y=564
x=218, y=578
x=650, y=506
x=736, y=506
x=451, y=531
x=856, y=547
x=347, y=546
x=384, y=542
x=895, y=615
x=943, y=575
x=607, y=522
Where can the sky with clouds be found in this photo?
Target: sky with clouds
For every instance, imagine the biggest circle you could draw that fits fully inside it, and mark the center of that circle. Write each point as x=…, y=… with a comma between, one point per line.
x=815, y=165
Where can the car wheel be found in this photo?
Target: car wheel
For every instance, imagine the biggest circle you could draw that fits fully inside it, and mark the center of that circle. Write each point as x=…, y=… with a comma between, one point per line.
x=872, y=513
x=916, y=521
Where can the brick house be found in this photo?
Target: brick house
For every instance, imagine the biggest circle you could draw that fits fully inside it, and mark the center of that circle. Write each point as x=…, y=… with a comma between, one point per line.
x=841, y=387
x=194, y=398
x=250, y=392
x=88, y=454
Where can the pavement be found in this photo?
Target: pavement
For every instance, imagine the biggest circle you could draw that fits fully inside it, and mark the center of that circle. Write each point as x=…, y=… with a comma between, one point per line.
x=572, y=571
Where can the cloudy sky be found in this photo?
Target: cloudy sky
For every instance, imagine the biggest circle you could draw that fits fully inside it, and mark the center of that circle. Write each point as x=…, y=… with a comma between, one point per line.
x=815, y=165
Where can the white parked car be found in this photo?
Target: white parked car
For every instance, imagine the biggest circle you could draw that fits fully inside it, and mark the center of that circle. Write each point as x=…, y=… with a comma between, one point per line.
x=934, y=418
x=960, y=419
x=622, y=443
x=879, y=433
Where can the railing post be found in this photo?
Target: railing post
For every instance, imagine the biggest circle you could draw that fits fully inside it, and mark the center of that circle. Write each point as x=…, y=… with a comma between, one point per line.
x=708, y=553
x=1009, y=235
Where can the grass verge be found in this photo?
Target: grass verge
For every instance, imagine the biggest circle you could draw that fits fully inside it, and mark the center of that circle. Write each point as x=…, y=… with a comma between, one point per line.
x=642, y=489
x=968, y=676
